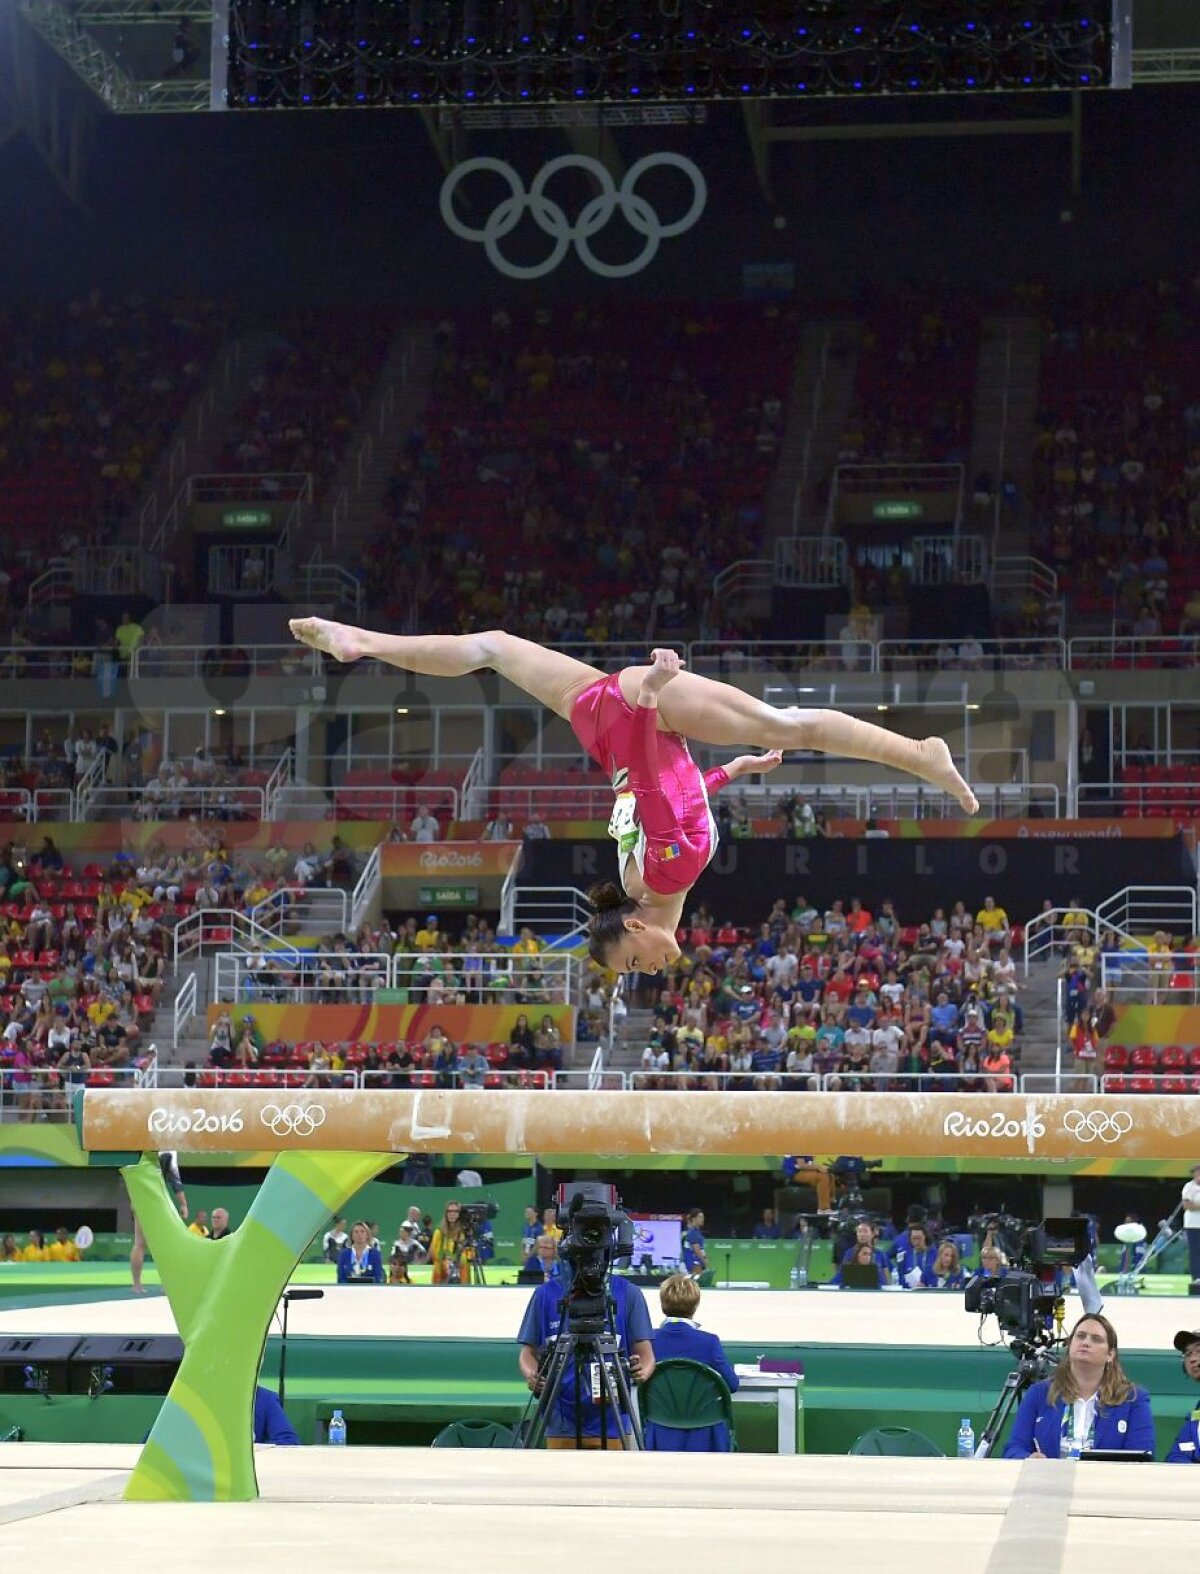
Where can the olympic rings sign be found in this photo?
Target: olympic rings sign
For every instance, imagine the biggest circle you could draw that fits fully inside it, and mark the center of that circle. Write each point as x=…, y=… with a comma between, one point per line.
x=552, y=221
x=1097, y=1125
x=292, y=1120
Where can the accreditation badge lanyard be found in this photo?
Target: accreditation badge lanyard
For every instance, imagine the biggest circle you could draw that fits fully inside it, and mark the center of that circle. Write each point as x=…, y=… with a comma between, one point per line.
x=1072, y=1444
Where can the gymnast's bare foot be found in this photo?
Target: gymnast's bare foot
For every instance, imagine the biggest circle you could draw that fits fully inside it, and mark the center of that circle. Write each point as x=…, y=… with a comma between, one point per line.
x=940, y=772
x=338, y=640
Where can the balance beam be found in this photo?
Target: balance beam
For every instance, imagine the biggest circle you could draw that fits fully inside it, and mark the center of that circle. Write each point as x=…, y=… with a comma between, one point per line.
x=890, y=1125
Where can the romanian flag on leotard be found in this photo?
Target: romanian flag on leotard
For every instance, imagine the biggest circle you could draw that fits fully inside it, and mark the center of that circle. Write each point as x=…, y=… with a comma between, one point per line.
x=670, y=852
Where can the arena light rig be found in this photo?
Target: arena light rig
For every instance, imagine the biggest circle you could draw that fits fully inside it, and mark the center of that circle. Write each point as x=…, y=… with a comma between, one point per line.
x=327, y=54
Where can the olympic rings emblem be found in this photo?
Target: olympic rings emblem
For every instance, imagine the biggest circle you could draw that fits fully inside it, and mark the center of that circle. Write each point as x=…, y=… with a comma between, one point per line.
x=552, y=221
x=1097, y=1125
x=292, y=1120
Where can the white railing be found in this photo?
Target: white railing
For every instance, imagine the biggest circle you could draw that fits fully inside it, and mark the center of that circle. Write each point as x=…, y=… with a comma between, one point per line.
x=46, y=1089
x=388, y=800
x=949, y=560
x=729, y=659
x=158, y=801
x=269, y=487
x=185, y=1008
x=147, y=1068
x=54, y=803
x=970, y=655
x=500, y=977
x=562, y=909
x=508, y=895
x=218, y=926
x=1019, y=576
x=1134, y=650
x=1153, y=800
x=498, y=1077
x=338, y=516
x=90, y=785
x=609, y=1080
x=474, y=790
x=298, y=906
x=1041, y=931
x=558, y=802
x=242, y=570
x=747, y=577
x=55, y=662
x=596, y=1069
x=320, y=581
x=1059, y=1082
x=281, y=776
x=366, y=889
x=1151, y=978
x=299, y=977
x=258, y=661
x=1120, y=1081
x=810, y=561
x=1142, y=909
x=362, y=464
x=53, y=587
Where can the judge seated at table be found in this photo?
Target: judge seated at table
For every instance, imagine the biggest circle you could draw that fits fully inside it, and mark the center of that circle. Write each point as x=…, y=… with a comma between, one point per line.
x=679, y=1338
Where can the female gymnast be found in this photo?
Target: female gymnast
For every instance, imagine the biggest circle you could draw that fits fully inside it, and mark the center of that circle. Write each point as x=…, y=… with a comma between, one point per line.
x=635, y=724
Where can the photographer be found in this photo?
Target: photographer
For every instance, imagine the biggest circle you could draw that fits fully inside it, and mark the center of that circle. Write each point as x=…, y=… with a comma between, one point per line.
x=1088, y=1403
x=695, y=1258
x=542, y=1325
x=1185, y=1450
x=448, y=1251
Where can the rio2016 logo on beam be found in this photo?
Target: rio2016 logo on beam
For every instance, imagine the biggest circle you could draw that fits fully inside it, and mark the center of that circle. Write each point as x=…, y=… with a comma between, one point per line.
x=552, y=221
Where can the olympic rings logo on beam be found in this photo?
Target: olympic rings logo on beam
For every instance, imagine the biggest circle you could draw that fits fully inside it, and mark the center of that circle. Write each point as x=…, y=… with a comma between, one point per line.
x=552, y=221
x=292, y=1120
x=1097, y=1125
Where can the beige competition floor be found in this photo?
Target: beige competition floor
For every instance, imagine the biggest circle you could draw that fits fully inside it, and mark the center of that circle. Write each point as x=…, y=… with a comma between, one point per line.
x=495, y=1512
x=809, y=1317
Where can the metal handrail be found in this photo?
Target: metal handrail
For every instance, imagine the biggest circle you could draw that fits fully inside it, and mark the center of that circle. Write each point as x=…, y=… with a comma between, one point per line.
x=187, y=661
x=324, y=903
x=1155, y=650
x=212, y=926
x=900, y=655
x=90, y=784
x=366, y=889
x=281, y=776
x=147, y=1068
x=227, y=801
x=1150, y=907
x=185, y=1007
x=235, y=980
x=1040, y=931
x=1169, y=978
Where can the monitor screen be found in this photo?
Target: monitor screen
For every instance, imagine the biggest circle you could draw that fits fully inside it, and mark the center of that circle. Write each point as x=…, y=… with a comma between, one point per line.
x=657, y=1237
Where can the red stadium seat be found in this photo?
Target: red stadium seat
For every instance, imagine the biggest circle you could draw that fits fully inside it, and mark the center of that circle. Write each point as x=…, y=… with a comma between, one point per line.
x=1143, y=1084
x=1173, y=1085
x=1114, y=1085
x=1174, y=1058
x=1144, y=1058
x=1116, y=1057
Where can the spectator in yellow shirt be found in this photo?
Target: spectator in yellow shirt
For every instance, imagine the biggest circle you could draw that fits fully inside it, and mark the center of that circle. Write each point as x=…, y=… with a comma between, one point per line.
x=37, y=1250
x=62, y=1248
x=100, y=1011
x=993, y=921
x=128, y=637
x=199, y=1225
x=528, y=944
x=430, y=938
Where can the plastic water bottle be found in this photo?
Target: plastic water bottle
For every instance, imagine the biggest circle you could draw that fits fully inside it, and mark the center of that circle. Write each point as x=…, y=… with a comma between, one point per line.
x=337, y=1430
x=794, y=1279
x=801, y=1279
x=966, y=1439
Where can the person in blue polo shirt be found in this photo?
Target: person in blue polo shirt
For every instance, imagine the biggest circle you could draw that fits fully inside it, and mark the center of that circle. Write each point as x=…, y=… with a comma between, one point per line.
x=1185, y=1450
x=1088, y=1403
x=695, y=1258
x=271, y=1424
x=914, y=1261
x=541, y=1326
x=679, y=1339
x=864, y=1235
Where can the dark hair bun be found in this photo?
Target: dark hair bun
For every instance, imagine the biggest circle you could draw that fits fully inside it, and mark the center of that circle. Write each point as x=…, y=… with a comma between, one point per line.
x=606, y=896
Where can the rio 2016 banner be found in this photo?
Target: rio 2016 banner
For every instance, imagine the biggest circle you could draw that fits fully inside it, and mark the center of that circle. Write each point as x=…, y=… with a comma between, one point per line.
x=1001, y=1127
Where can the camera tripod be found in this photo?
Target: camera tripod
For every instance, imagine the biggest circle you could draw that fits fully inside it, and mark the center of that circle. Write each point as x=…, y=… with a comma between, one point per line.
x=587, y=1347
x=1169, y=1231
x=1034, y=1362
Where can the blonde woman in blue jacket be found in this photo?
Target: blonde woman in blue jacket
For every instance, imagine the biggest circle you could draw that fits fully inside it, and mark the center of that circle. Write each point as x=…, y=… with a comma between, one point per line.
x=1088, y=1403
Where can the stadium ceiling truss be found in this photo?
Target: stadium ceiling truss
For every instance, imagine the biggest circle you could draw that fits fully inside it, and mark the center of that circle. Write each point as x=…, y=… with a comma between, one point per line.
x=82, y=34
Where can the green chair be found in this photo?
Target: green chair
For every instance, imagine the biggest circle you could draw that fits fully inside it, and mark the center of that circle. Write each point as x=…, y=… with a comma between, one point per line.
x=474, y=1434
x=900, y=1442
x=686, y=1396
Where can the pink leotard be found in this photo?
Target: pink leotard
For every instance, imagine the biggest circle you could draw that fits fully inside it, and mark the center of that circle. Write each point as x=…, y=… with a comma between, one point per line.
x=662, y=818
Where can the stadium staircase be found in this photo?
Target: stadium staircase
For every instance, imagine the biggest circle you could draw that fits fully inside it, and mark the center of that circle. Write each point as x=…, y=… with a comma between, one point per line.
x=200, y=436
x=817, y=405
x=1005, y=417
x=373, y=456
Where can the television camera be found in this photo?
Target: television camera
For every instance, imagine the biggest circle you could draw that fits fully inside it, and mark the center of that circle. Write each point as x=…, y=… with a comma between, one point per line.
x=1026, y=1302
